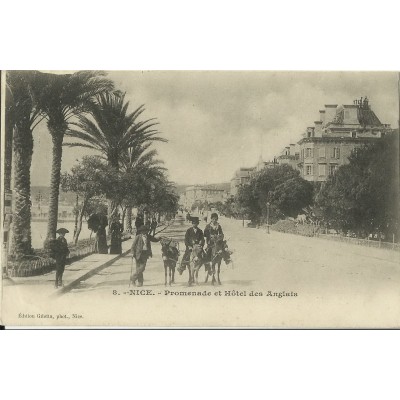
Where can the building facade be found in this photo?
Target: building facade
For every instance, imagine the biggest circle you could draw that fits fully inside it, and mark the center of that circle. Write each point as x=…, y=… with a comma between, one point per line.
x=328, y=144
x=201, y=193
x=241, y=177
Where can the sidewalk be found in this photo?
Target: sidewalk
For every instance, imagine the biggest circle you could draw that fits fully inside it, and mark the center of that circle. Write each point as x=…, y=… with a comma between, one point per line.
x=74, y=273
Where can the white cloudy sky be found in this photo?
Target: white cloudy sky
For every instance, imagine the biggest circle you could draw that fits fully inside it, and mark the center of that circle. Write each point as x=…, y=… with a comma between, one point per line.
x=216, y=122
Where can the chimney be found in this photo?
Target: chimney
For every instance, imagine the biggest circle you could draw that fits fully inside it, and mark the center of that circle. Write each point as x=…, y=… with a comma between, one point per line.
x=330, y=112
x=350, y=114
x=318, y=128
x=322, y=116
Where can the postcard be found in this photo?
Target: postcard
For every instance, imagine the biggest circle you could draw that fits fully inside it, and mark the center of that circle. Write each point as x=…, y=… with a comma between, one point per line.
x=200, y=199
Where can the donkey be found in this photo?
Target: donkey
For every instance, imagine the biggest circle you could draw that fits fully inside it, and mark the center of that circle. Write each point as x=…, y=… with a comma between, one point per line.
x=170, y=255
x=216, y=252
x=196, y=261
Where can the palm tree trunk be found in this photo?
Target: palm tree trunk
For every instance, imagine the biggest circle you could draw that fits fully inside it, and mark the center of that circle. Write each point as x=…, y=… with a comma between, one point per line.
x=8, y=150
x=123, y=218
x=76, y=212
x=80, y=218
x=23, y=150
x=57, y=136
x=129, y=219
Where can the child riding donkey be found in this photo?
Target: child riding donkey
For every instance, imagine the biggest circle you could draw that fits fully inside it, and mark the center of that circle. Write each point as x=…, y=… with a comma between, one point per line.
x=217, y=249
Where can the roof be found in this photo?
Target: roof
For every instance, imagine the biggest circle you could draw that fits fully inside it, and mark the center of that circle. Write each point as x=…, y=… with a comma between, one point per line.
x=365, y=117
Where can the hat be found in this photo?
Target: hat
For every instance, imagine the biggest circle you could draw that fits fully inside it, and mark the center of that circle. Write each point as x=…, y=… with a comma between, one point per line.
x=62, y=230
x=142, y=229
x=194, y=219
x=214, y=215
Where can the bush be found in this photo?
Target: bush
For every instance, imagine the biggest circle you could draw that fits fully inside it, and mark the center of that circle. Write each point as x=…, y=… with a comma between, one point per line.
x=42, y=262
x=287, y=226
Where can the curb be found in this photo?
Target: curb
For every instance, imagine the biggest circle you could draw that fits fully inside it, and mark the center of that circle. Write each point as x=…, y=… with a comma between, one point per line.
x=88, y=275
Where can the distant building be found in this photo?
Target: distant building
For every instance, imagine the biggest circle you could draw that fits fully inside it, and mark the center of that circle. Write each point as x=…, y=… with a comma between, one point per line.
x=329, y=143
x=289, y=155
x=203, y=193
x=242, y=176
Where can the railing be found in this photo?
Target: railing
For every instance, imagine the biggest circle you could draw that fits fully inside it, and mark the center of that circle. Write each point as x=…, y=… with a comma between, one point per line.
x=362, y=242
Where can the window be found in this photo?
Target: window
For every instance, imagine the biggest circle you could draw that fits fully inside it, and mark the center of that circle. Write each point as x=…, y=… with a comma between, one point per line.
x=336, y=152
x=309, y=152
x=321, y=152
x=308, y=169
x=332, y=169
x=321, y=169
x=354, y=134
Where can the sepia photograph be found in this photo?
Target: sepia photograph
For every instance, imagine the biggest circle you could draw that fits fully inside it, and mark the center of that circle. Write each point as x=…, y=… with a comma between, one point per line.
x=200, y=199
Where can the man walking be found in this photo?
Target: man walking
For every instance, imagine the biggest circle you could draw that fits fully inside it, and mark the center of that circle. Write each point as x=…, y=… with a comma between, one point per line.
x=141, y=251
x=60, y=252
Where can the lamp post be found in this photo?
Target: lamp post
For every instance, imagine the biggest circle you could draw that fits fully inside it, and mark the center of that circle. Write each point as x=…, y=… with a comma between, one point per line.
x=268, y=204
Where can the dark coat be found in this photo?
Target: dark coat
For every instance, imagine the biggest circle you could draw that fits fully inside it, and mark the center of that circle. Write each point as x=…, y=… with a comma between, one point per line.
x=139, y=221
x=211, y=231
x=60, y=250
x=138, y=244
x=192, y=238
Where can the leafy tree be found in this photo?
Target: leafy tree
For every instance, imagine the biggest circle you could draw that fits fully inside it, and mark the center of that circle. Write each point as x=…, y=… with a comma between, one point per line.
x=88, y=179
x=363, y=196
x=291, y=196
x=252, y=198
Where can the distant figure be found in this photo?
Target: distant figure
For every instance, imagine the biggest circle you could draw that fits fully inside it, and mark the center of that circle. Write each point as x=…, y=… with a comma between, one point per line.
x=60, y=251
x=153, y=226
x=116, y=239
x=139, y=221
x=97, y=223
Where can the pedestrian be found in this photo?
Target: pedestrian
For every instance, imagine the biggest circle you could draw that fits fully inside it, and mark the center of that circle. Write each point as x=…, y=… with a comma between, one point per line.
x=116, y=235
x=194, y=235
x=139, y=221
x=60, y=252
x=141, y=251
x=153, y=225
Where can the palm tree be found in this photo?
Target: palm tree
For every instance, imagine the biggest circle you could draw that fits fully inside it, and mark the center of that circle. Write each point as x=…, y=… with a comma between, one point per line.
x=22, y=115
x=114, y=129
x=62, y=98
x=139, y=163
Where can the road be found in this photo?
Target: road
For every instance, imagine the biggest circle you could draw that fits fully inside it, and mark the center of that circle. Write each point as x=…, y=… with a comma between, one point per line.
x=277, y=280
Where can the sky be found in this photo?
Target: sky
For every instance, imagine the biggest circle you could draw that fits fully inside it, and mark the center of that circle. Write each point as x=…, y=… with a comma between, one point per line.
x=218, y=121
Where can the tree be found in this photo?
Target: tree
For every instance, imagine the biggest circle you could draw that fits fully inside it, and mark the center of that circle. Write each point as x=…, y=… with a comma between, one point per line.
x=363, y=196
x=22, y=115
x=88, y=179
x=291, y=196
x=60, y=98
x=252, y=197
x=138, y=163
x=114, y=129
